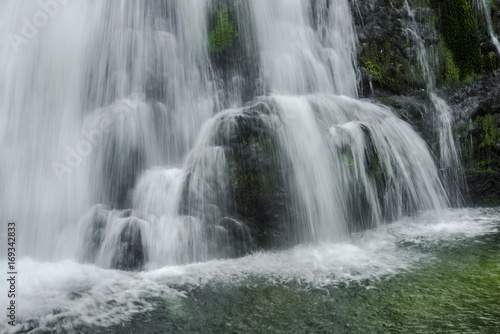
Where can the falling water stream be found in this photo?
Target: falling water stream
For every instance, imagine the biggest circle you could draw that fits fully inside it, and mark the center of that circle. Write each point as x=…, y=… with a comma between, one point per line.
x=449, y=162
x=127, y=144
x=485, y=8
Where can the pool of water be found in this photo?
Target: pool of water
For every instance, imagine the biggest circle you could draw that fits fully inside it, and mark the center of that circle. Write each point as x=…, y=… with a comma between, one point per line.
x=437, y=273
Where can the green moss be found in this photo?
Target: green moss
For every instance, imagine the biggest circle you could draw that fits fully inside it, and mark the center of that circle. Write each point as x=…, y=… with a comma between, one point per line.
x=386, y=67
x=492, y=200
x=348, y=161
x=491, y=61
x=479, y=144
x=254, y=187
x=448, y=70
x=223, y=34
x=458, y=27
x=490, y=134
x=494, y=11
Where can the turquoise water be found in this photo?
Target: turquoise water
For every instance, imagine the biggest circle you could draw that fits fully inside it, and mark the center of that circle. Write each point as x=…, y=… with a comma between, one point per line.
x=424, y=275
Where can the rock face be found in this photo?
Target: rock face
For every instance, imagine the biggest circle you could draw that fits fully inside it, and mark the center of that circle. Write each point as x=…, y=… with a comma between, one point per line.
x=386, y=61
x=257, y=179
x=233, y=53
x=463, y=61
x=455, y=35
x=478, y=133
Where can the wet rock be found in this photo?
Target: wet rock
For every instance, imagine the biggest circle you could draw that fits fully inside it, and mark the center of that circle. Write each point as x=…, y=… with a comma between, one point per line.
x=245, y=208
x=129, y=254
x=237, y=63
x=96, y=232
x=477, y=109
x=114, y=239
x=483, y=188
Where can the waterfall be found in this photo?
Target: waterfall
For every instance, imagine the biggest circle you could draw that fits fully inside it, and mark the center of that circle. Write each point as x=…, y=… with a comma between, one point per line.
x=484, y=7
x=133, y=136
x=87, y=106
x=441, y=113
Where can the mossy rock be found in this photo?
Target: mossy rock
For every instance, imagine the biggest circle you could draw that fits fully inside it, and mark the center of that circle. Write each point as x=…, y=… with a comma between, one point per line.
x=387, y=67
x=250, y=205
x=223, y=33
x=448, y=71
x=234, y=53
x=257, y=180
x=480, y=147
x=458, y=26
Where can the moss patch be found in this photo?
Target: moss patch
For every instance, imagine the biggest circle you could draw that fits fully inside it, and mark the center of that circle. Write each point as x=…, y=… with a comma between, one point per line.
x=388, y=68
x=480, y=147
x=449, y=73
x=458, y=27
x=221, y=37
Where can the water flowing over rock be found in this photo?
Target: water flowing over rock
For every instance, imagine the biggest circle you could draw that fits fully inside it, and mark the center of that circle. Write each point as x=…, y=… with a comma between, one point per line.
x=136, y=135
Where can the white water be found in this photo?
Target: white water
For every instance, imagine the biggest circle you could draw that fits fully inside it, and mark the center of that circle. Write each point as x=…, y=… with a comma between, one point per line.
x=484, y=7
x=111, y=114
x=133, y=131
x=297, y=59
x=65, y=294
x=78, y=108
x=347, y=133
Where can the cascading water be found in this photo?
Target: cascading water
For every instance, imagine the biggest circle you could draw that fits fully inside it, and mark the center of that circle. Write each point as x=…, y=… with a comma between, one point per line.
x=449, y=162
x=100, y=138
x=484, y=7
x=207, y=166
x=125, y=89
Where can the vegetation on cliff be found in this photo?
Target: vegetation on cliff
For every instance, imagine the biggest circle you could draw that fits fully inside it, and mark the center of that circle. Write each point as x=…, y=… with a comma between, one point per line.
x=458, y=27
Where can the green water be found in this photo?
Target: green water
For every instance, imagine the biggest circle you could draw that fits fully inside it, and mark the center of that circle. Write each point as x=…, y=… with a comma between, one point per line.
x=453, y=288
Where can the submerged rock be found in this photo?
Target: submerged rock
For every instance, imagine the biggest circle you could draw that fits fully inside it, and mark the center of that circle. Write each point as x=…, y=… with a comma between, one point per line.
x=113, y=239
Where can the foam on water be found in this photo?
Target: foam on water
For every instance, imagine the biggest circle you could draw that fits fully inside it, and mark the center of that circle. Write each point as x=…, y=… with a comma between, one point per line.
x=67, y=294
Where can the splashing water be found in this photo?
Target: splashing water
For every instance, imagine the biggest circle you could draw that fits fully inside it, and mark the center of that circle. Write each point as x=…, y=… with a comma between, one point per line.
x=128, y=143
x=113, y=133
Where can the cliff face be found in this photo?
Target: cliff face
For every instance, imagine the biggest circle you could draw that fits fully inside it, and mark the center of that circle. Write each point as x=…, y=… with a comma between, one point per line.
x=411, y=49
x=455, y=34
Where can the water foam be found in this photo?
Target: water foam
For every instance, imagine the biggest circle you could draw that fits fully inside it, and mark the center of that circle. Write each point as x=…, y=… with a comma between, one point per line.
x=66, y=294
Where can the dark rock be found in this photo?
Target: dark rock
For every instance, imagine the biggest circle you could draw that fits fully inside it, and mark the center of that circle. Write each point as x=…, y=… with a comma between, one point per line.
x=129, y=254
x=483, y=188
x=245, y=209
x=121, y=167
x=477, y=109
